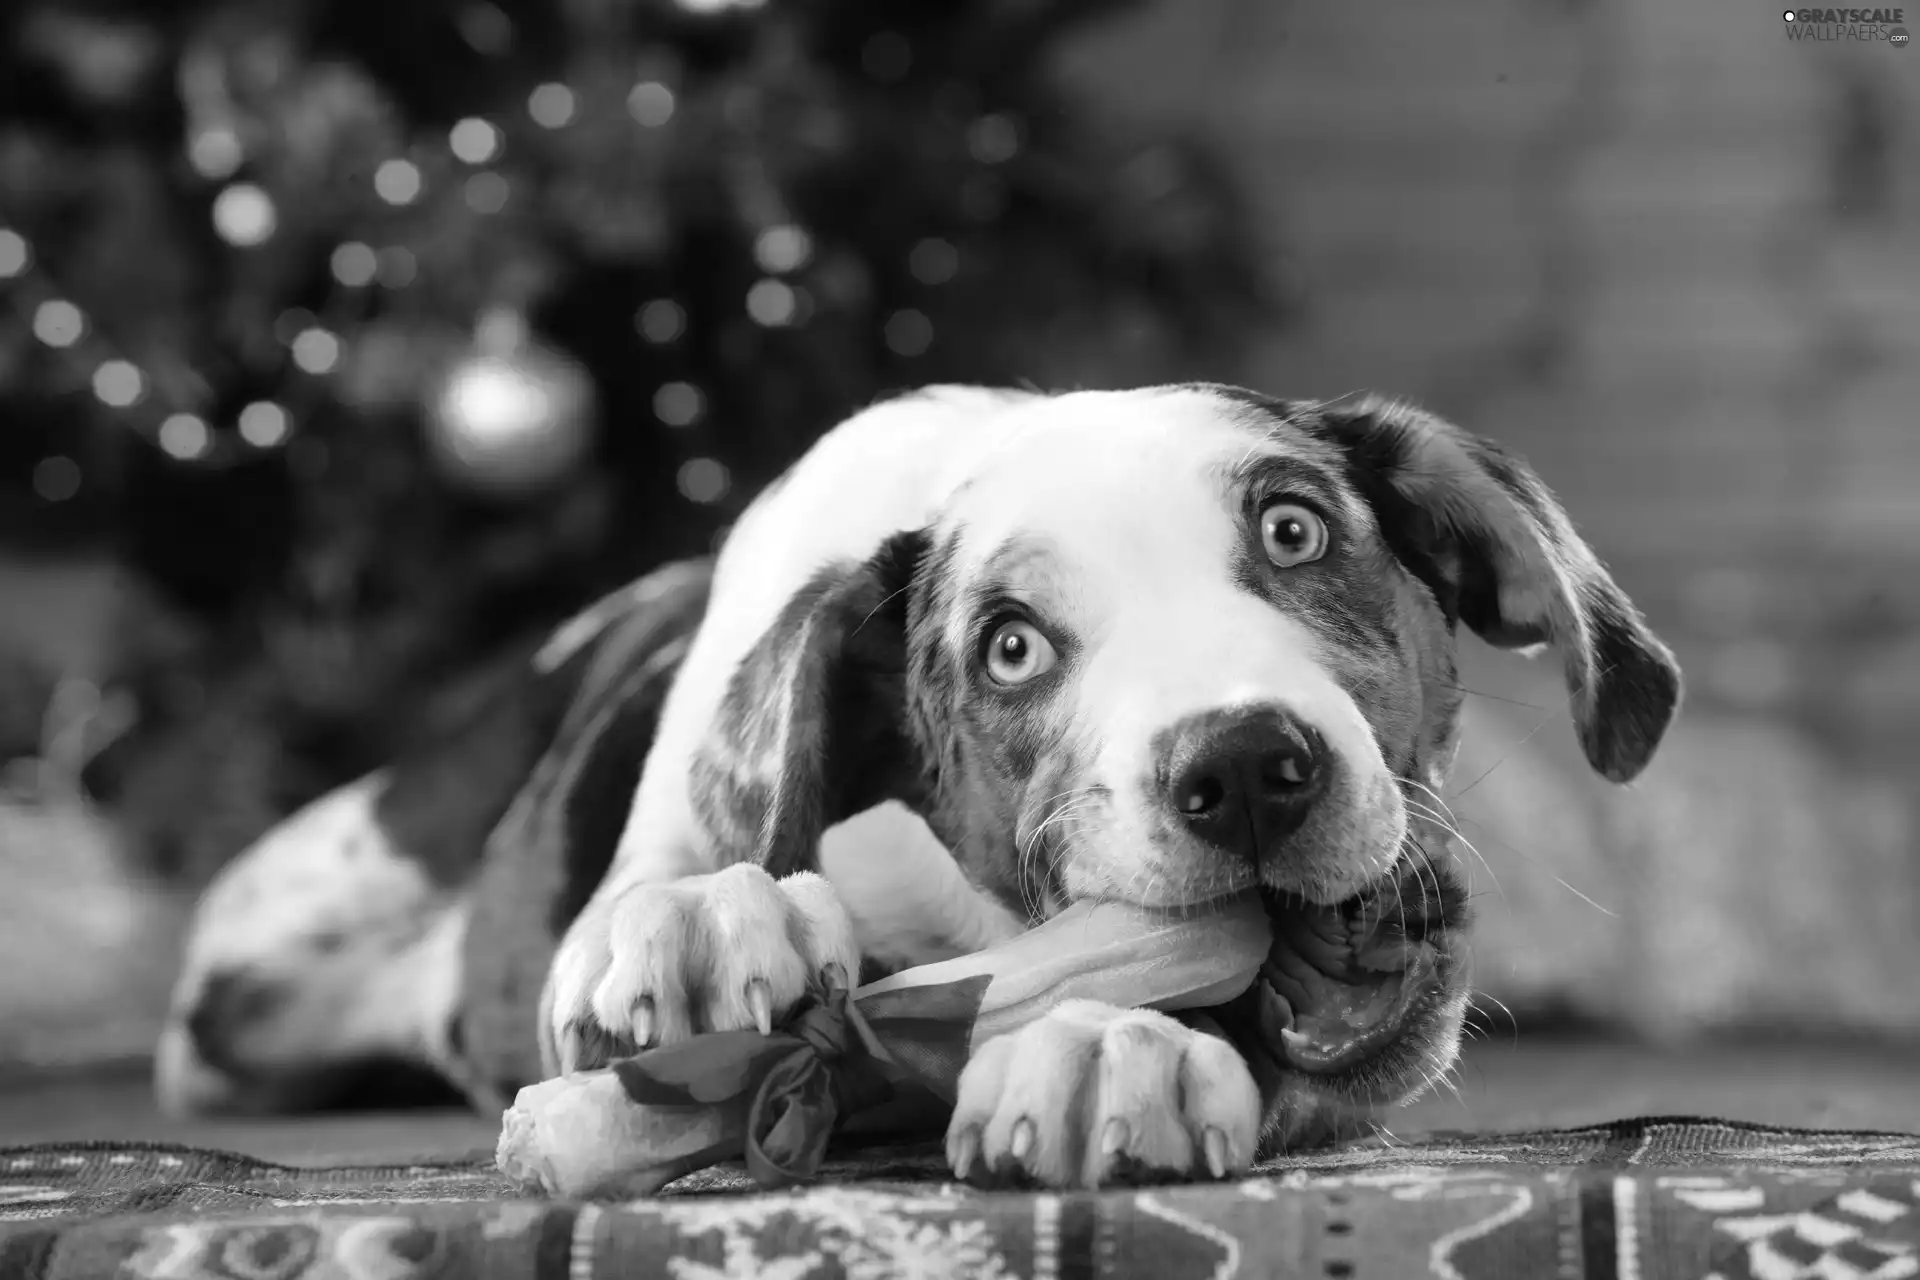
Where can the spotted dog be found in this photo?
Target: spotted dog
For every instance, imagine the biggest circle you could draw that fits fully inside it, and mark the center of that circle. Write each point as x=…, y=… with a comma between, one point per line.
x=980, y=654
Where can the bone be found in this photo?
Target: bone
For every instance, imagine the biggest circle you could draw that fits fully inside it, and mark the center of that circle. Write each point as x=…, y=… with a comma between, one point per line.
x=581, y=1135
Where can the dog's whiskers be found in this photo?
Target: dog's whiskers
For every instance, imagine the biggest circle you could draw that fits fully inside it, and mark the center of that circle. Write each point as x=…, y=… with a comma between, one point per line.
x=1450, y=827
x=1512, y=1019
x=1438, y=799
x=1058, y=817
x=1494, y=697
x=1451, y=824
x=1552, y=714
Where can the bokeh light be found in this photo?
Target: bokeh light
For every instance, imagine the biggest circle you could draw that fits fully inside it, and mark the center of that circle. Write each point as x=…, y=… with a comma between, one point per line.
x=551, y=105
x=661, y=321
x=783, y=248
x=994, y=139
x=397, y=181
x=679, y=404
x=474, y=140
x=909, y=332
x=933, y=261
x=264, y=424
x=185, y=436
x=771, y=303
x=56, y=479
x=244, y=215
x=703, y=480
x=58, y=323
x=117, y=384
x=650, y=103
x=14, y=254
x=316, y=351
x=354, y=264
x=397, y=266
x=487, y=192
x=215, y=153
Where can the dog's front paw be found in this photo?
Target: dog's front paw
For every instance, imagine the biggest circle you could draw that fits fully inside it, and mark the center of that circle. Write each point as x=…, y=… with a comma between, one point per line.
x=659, y=962
x=1092, y=1094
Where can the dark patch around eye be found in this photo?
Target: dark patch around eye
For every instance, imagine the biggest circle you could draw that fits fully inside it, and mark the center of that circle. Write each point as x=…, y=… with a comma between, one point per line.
x=1273, y=479
x=1408, y=531
x=933, y=674
x=1341, y=596
x=963, y=723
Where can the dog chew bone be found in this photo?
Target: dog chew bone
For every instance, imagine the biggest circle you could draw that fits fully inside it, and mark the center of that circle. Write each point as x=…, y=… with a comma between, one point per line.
x=584, y=1135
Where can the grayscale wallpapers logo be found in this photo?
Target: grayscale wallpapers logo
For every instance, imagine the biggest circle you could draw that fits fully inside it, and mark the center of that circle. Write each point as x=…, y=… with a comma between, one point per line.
x=1848, y=24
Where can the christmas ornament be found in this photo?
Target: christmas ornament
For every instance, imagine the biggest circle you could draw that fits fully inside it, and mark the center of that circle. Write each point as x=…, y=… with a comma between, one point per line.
x=510, y=417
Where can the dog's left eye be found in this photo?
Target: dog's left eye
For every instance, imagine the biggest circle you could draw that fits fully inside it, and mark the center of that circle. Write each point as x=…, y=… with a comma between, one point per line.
x=1292, y=534
x=1017, y=652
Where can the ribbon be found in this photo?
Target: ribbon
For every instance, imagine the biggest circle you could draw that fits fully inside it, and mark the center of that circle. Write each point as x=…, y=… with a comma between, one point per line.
x=834, y=1058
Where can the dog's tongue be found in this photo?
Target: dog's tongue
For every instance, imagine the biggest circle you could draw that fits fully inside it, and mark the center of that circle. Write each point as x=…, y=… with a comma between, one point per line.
x=1339, y=982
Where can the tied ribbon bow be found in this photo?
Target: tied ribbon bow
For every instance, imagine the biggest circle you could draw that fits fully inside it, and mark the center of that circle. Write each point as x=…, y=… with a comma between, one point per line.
x=835, y=1057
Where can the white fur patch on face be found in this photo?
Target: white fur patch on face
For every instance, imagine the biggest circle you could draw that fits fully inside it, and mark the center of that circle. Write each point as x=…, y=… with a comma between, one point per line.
x=1212, y=648
x=1124, y=535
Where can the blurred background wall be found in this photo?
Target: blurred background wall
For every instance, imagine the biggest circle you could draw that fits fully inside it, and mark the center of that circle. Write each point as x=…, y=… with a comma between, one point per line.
x=1666, y=251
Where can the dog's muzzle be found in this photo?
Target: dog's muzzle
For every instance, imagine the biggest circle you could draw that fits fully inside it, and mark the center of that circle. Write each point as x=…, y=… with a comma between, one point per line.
x=1348, y=980
x=1243, y=781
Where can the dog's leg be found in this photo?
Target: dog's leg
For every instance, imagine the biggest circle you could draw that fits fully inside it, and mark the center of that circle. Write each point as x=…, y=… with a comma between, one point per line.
x=908, y=899
x=712, y=916
x=1092, y=1093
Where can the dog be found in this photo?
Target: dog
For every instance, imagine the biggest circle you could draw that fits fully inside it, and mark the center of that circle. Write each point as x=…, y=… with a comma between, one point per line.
x=977, y=655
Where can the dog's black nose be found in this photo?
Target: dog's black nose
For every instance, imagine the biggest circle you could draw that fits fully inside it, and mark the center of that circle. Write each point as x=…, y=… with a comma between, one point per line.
x=1243, y=781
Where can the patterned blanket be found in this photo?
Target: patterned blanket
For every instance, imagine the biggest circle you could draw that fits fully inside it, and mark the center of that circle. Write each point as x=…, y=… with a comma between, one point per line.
x=1652, y=1199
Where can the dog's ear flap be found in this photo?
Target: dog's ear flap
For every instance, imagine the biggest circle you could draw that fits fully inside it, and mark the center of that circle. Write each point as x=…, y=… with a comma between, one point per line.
x=1480, y=528
x=812, y=728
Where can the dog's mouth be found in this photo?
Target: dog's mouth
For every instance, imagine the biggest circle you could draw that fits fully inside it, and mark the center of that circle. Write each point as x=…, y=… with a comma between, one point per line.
x=1342, y=983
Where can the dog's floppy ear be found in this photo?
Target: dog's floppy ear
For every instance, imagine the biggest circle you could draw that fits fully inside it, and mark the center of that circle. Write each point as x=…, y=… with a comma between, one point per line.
x=811, y=730
x=1480, y=528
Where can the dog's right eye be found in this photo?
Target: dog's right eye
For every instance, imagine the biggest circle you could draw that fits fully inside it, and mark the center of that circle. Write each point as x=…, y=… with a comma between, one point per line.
x=1292, y=535
x=1017, y=652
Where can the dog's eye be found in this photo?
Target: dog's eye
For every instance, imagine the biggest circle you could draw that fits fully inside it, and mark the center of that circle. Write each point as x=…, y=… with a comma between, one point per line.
x=1292, y=534
x=1017, y=653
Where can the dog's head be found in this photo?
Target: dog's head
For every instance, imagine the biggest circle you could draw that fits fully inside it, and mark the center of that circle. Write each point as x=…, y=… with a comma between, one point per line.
x=1169, y=645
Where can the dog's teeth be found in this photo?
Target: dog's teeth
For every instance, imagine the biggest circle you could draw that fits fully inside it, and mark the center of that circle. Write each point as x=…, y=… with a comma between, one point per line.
x=760, y=1005
x=642, y=1018
x=1022, y=1144
x=1215, y=1144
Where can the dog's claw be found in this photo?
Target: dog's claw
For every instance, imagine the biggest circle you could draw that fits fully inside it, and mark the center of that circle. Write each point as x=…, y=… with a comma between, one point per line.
x=1113, y=1137
x=642, y=1015
x=833, y=977
x=1215, y=1145
x=1022, y=1144
x=964, y=1151
x=760, y=1005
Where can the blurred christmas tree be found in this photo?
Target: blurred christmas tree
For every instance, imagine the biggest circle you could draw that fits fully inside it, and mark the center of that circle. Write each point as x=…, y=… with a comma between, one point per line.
x=373, y=335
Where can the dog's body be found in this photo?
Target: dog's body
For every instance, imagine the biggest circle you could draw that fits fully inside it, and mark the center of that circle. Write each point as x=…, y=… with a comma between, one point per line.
x=1015, y=649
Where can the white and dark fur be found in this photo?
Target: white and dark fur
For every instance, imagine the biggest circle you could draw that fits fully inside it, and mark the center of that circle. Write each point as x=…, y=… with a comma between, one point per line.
x=830, y=777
